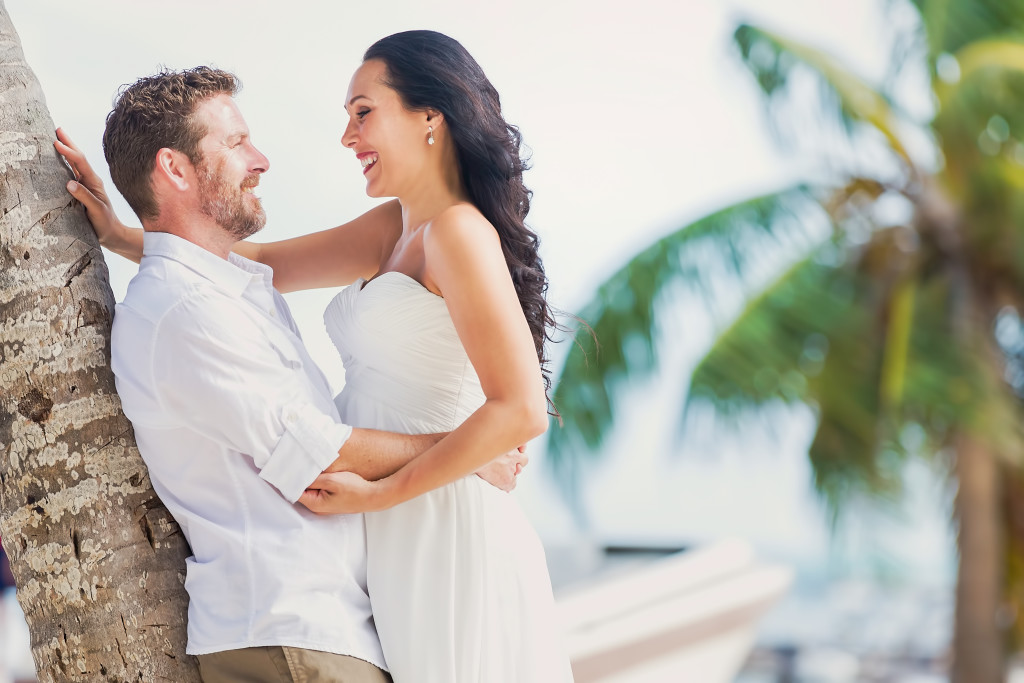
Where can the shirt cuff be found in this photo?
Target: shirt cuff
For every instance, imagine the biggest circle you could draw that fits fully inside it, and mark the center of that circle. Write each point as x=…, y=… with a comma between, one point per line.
x=310, y=443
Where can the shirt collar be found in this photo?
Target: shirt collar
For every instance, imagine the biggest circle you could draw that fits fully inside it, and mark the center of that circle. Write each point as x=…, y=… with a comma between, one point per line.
x=234, y=275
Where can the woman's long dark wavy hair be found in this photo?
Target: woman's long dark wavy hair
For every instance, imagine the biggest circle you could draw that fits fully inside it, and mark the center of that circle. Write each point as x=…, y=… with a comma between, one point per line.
x=429, y=70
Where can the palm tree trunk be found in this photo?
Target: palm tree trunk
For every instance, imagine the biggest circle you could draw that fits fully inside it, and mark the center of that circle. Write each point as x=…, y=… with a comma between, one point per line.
x=1013, y=583
x=978, y=655
x=98, y=561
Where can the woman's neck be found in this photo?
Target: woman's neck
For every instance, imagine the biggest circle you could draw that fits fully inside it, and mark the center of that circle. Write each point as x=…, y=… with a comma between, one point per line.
x=440, y=188
x=420, y=206
x=420, y=210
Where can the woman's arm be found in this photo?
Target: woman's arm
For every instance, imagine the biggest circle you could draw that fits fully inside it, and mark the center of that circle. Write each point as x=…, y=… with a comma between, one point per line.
x=332, y=257
x=465, y=263
x=328, y=258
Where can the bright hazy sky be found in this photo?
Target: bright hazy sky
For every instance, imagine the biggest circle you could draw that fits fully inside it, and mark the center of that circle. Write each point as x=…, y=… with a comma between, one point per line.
x=639, y=117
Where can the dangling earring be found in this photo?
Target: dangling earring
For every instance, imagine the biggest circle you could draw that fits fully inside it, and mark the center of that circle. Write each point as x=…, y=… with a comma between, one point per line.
x=430, y=135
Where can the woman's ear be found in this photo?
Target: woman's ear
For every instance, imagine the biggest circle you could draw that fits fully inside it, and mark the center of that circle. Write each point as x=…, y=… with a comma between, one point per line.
x=434, y=118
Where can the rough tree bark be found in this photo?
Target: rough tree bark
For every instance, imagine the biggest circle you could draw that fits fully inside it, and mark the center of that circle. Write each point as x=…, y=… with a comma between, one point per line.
x=98, y=561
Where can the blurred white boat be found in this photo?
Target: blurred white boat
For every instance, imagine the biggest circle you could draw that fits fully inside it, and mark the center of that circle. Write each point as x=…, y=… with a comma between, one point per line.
x=691, y=616
x=687, y=617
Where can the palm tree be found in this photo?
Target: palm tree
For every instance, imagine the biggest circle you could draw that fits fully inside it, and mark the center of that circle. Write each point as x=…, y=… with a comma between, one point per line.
x=98, y=561
x=895, y=297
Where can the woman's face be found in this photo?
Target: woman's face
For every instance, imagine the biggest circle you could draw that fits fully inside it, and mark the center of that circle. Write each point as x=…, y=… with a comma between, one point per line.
x=389, y=140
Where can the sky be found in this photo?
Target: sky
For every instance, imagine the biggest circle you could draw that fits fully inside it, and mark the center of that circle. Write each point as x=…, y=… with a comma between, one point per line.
x=640, y=119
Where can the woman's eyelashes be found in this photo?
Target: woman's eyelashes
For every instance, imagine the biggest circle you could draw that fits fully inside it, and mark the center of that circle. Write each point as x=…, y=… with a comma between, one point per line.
x=362, y=113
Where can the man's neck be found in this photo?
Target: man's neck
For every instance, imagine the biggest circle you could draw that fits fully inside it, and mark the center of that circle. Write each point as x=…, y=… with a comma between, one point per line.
x=202, y=232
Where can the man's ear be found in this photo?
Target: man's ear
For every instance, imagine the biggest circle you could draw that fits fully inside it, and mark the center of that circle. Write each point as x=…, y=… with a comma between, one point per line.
x=174, y=168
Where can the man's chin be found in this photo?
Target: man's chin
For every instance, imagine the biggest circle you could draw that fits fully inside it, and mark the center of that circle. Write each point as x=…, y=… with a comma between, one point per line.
x=244, y=230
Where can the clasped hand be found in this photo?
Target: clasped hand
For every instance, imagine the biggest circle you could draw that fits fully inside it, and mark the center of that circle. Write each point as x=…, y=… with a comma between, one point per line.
x=336, y=493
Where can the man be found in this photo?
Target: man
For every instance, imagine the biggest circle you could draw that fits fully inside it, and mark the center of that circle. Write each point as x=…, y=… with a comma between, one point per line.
x=231, y=415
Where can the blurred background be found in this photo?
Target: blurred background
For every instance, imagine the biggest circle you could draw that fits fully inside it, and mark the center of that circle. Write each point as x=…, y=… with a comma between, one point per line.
x=792, y=227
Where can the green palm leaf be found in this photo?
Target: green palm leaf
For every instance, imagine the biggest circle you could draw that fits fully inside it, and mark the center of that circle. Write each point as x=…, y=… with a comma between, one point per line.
x=817, y=337
x=727, y=246
x=951, y=24
x=890, y=334
x=860, y=349
x=772, y=59
x=981, y=132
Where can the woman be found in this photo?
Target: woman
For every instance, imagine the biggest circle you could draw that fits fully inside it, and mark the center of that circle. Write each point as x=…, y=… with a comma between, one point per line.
x=443, y=330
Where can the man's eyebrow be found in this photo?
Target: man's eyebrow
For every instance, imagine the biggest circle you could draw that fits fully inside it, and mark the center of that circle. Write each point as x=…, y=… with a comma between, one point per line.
x=237, y=136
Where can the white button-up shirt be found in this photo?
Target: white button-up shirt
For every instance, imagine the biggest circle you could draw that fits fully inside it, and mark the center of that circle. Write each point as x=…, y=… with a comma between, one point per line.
x=234, y=420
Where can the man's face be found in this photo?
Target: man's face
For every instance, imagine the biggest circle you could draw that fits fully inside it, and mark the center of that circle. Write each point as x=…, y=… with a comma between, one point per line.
x=230, y=169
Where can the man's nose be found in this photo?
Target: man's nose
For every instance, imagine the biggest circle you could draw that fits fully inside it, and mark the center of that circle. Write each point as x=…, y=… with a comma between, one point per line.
x=260, y=163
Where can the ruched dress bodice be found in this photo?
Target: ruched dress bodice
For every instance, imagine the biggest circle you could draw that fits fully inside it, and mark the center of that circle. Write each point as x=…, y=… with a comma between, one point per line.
x=457, y=578
x=405, y=367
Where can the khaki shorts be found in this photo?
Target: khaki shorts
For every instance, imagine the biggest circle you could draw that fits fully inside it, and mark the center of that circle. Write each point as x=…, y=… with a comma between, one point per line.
x=286, y=665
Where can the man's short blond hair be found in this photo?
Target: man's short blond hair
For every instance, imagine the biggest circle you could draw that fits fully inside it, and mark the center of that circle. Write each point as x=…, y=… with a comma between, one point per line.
x=155, y=112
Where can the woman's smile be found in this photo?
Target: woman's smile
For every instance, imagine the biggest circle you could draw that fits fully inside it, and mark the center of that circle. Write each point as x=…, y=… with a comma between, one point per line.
x=367, y=159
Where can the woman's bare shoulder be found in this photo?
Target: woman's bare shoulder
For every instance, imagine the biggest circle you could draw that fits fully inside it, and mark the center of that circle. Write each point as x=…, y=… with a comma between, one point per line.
x=459, y=222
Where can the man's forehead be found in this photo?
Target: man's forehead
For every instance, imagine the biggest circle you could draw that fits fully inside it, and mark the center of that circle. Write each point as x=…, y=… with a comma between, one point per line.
x=222, y=117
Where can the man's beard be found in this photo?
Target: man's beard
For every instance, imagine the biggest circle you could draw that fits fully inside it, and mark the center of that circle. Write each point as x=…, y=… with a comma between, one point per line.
x=226, y=205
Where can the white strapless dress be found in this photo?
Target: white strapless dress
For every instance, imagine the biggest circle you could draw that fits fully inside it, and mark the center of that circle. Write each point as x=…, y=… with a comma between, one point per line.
x=457, y=577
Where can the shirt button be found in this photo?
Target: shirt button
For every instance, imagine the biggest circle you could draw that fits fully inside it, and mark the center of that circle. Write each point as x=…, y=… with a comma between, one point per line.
x=272, y=312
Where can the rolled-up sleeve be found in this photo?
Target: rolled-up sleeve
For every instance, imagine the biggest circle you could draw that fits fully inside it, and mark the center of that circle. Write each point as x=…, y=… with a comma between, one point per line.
x=218, y=371
x=308, y=436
